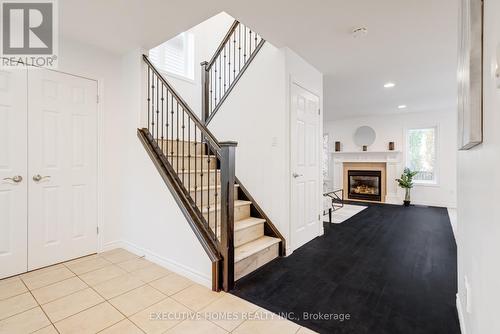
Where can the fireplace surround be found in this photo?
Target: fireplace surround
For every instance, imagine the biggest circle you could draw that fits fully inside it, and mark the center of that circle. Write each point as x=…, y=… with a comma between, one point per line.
x=365, y=181
x=364, y=185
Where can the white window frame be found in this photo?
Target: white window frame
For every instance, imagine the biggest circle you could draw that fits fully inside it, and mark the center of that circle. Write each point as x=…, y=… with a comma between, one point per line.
x=435, y=182
x=189, y=58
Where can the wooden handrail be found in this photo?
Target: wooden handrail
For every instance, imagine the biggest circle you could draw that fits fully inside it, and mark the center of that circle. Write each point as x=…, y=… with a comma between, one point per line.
x=193, y=116
x=223, y=43
x=232, y=57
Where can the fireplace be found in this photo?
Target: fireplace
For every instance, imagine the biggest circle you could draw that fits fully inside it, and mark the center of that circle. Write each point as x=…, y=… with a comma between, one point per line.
x=364, y=185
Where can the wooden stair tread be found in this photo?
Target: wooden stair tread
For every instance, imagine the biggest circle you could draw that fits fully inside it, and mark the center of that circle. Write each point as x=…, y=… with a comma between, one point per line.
x=247, y=222
x=253, y=247
x=237, y=203
x=190, y=156
x=191, y=171
x=209, y=187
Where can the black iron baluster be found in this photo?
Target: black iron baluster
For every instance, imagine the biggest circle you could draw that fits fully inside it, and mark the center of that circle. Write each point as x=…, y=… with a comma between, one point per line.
x=225, y=70
x=189, y=153
x=216, y=195
x=245, y=46
x=153, y=107
x=234, y=55
x=157, y=111
x=177, y=134
x=239, y=47
x=195, y=167
x=183, y=145
x=215, y=83
x=220, y=77
x=202, y=148
x=208, y=182
x=229, y=61
x=149, y=97
x=211, y=89
x=162, y=137
x=255, y=40
x=172, y=127
x=167, y=124
x=250, y=43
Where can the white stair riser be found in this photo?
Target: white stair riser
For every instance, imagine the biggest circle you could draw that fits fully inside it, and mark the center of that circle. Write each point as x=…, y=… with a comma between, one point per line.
x=206, y=196
x=194, y=162
x=248, y=234
x=255, y=261
x=184, y=148
x=199, y=178
x=240, y=212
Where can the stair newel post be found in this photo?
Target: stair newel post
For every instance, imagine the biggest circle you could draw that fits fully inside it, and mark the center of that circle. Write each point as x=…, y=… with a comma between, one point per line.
x=205, y=91
x=227, y=178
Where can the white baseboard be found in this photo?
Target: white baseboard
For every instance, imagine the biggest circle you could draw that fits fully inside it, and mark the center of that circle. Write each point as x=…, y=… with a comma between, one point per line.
x=171, y=265
x=461, y=318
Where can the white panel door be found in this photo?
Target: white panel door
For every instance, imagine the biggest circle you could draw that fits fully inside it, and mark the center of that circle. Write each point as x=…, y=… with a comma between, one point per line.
x=62, y=151
x=305, y=166
x=13, y=183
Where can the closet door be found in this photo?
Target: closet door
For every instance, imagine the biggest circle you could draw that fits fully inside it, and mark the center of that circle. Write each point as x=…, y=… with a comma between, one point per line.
x=62, y=144
x=13, y=183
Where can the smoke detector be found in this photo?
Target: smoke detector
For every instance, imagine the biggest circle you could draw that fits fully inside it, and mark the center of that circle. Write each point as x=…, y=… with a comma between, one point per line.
x=359, y=32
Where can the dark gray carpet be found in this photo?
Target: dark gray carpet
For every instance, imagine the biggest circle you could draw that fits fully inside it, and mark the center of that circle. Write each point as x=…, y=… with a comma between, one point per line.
x=391, y=268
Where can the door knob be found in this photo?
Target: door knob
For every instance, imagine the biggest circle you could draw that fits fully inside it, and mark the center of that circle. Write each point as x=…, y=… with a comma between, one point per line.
x=38, y=177
x=16, y=178
x=295, y=175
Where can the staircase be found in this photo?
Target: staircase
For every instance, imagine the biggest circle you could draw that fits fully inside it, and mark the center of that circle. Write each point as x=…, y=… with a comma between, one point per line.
x=200, y=171
x=252, y=247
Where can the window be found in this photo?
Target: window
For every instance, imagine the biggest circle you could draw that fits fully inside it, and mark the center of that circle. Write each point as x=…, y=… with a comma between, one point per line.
x=421, y=156
x=176, y=56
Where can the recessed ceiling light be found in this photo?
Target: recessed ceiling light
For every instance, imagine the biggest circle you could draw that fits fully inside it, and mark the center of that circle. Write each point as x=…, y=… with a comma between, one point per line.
x=360, y=32
x=389, y=84
x=402, y=106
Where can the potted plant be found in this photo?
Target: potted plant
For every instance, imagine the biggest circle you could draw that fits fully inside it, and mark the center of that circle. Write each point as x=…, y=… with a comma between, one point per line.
x=406, y=182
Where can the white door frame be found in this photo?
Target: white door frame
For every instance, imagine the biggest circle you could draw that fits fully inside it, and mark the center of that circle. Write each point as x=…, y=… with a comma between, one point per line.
x=294, y=81
x=100, y=134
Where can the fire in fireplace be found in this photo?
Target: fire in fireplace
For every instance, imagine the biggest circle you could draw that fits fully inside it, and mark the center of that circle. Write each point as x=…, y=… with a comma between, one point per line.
x=365, y=185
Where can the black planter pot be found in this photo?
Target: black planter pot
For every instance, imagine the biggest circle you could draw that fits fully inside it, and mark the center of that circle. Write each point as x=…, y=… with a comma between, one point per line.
x=406, y=203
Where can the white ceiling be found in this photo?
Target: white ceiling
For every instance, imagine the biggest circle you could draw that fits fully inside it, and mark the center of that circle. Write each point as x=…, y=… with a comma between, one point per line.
x=412, y=42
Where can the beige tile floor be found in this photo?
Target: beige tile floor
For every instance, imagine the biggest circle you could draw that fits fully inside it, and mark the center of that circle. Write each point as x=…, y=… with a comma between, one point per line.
x=119, y=292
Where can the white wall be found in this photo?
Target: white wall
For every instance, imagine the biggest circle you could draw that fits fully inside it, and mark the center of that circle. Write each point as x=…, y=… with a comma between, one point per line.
x=393, y=128
x=136, y=208
x=478, y=184
x=256, y=115
x=207, y=37
x=152, y=222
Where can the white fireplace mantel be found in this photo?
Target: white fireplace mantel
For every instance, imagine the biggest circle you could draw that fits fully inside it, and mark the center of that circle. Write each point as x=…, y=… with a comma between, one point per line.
x=394, y=167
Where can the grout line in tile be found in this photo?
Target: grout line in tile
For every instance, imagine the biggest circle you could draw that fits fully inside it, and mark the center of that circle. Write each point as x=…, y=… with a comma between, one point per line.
x=149, y=283
x=13, y=315
x=105, y=300
x=88, y=308
x=40, y=306
x=69, y=294
x=107, y=265
x=17, y=294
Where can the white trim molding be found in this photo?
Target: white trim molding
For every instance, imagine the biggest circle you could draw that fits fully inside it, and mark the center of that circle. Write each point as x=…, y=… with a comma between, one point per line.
x=461, y=318
x=393, y=162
